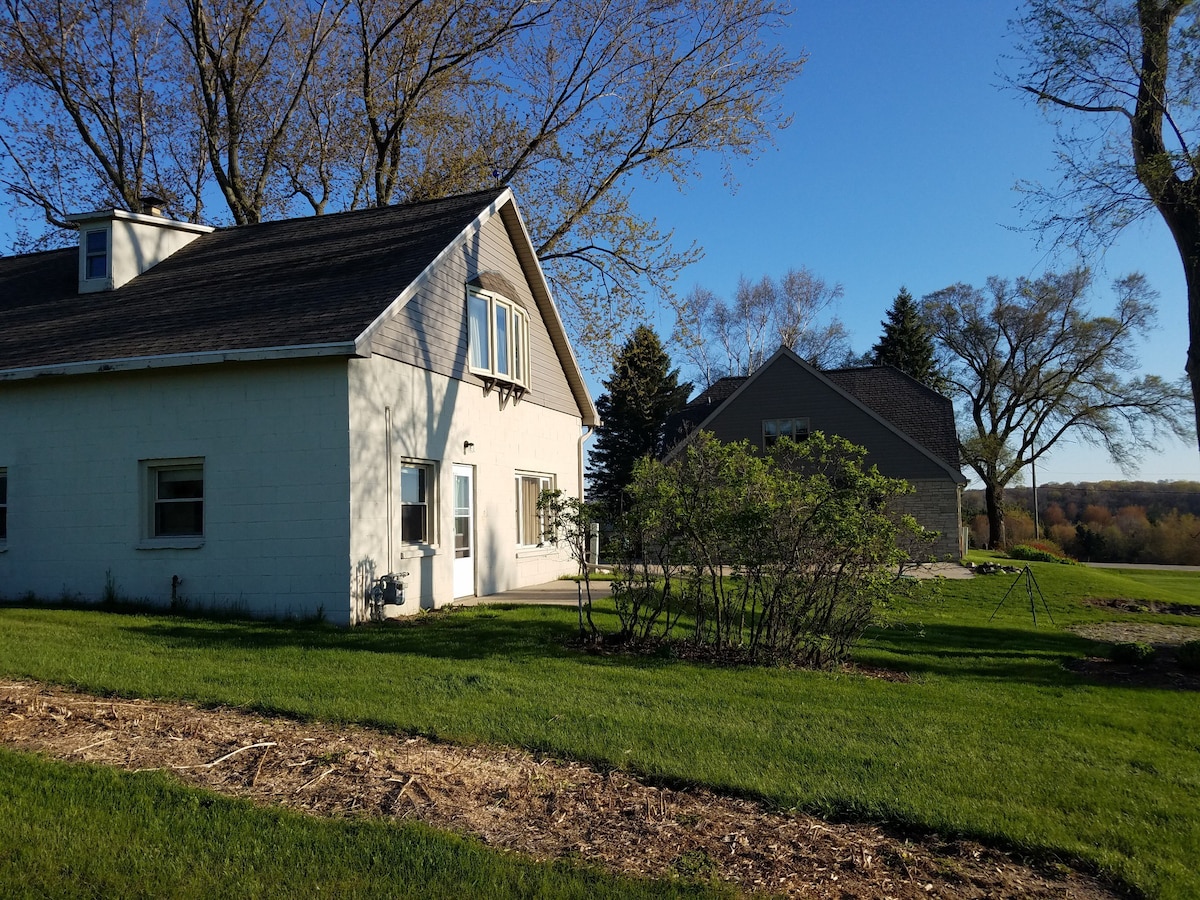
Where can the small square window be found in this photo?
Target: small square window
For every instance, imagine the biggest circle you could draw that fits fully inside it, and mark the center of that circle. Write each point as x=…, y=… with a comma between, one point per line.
x=173, y=501
x=96, y=254
x=179, y=501
x=415, y=482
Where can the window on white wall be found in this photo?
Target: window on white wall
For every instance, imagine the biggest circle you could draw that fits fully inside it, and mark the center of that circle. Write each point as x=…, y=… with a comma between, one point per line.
x=498, y=334
x=416, y=485
x=176, y=492
x=532, y=523
x=3, y=505
x=95, y=256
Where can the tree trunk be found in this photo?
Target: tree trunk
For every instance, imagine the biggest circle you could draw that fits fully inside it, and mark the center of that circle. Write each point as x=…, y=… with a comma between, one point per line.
x=1191, y=269
x=993, y=495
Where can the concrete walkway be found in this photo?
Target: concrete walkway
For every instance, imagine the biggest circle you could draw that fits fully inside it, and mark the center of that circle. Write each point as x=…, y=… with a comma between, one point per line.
x=566, y=593
x=552, y=593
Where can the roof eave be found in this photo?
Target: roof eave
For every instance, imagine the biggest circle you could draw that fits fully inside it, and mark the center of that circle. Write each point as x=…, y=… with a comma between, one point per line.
x=179, y=360
x=957, y=475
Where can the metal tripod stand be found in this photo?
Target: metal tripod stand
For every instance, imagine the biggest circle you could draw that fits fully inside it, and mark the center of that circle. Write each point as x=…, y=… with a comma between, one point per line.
x=1030, y=585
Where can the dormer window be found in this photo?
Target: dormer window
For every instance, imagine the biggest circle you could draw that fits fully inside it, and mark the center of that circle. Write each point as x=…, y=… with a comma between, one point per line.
x=498, y=338
x=96, y=253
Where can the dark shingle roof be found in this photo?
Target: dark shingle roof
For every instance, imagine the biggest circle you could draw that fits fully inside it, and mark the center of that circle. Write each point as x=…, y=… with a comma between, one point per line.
x=923, y=414
x=291, y=283
x=920, y=412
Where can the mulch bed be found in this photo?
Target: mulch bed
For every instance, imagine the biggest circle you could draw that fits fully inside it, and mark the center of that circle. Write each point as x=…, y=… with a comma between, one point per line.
x=518, y=802
x=1163, y=671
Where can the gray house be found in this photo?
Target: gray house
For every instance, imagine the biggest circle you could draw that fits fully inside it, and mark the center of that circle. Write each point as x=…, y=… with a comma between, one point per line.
x=272, y=417
x=906, y=428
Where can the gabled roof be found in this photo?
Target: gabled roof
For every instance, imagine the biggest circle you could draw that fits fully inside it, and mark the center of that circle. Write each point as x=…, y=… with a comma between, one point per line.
x=296, y=287
x=915, y=408
x=920, y=415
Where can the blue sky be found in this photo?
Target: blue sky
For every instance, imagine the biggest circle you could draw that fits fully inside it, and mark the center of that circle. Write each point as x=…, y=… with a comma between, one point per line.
x=899, y=169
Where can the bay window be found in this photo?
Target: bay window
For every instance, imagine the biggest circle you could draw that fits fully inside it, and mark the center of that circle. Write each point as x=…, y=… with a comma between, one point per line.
x=498, y=335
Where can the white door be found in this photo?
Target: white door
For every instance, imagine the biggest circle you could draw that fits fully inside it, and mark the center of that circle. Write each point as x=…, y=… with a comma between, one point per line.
x=464, y=531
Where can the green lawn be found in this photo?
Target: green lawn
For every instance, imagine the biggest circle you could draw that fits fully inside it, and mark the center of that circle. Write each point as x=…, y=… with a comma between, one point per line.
x=1177, y=587
x=83, y=831
x=992, y=738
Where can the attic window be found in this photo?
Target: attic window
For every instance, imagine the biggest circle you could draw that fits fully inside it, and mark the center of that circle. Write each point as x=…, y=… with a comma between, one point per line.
x=96, y=253
x=498, y=334
x=774, y=429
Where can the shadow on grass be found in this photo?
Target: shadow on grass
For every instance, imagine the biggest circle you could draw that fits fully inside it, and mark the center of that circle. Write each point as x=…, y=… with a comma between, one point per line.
x=1033, y=657
x=546, y=633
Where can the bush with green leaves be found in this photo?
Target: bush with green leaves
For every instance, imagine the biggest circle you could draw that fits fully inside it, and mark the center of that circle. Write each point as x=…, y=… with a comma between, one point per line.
x=1041, y=551
x=1189, y=656
x=1131, y=652
x=782, y=557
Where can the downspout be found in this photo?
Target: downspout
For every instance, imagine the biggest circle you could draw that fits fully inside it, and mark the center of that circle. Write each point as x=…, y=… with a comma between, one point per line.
x=582, y=438
x=387, y=461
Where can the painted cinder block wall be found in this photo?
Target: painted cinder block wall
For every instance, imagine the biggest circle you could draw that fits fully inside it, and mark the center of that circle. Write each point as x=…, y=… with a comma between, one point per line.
x=274, y=443
x=432, y=418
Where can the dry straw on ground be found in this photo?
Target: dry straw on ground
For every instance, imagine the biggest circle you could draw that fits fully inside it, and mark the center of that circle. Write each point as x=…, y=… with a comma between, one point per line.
x=516, y=802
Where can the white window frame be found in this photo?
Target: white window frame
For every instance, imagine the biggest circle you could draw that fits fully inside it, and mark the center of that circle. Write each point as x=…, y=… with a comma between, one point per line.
x=89, y=254
x=3, y=507
x=514, y=368
x=546, y=482
x=429, y=503
x=150, y=471
x=773, y=429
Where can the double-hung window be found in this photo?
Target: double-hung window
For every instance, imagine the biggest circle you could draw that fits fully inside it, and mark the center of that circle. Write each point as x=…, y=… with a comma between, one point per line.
x=774, y=429
x=176, y=491
x=416, y=483
x=95, y=256
x=498, y=334
x=532, y=523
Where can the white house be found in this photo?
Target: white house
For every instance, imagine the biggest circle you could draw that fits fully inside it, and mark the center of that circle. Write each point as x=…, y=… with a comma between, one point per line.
x=272, y=417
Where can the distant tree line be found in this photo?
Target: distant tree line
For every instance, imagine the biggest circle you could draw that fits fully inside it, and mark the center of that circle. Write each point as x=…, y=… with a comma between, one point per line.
x=1107, y=521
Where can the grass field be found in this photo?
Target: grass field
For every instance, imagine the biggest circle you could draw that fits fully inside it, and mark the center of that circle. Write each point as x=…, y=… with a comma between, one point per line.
x=992, y=738
x=84, y=831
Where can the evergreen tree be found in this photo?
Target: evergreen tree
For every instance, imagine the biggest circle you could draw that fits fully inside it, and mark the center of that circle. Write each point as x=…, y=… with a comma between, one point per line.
x=907, y=344
x=639, y=395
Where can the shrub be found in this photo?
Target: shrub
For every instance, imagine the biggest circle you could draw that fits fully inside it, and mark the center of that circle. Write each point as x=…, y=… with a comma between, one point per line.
x=1135, y=652
x=1189, y=656
x=1040, y=551
x=783, y=557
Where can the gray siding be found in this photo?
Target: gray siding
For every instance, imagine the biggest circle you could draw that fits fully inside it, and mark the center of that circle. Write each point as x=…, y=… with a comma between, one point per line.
x=431, y=330
x=787, y=390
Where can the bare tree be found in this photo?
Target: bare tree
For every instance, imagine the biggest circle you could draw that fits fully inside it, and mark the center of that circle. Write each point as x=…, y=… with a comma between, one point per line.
x=736, y=337
x=335, y=104
x=1028, y=365
x=85, y=100
x=1133, y=65
x=249, y=62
